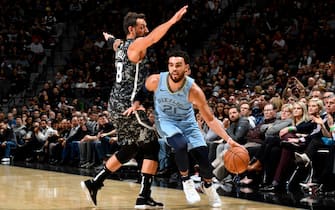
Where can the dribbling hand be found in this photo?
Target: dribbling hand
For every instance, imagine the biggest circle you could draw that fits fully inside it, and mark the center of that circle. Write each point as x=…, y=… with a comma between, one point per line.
x=233, y=143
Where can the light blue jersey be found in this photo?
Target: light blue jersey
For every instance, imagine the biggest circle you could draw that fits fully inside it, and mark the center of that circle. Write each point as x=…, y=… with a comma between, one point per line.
x=175, y=114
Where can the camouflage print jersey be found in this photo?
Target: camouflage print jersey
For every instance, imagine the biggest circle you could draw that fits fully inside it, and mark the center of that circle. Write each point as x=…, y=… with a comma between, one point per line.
x=127, y=83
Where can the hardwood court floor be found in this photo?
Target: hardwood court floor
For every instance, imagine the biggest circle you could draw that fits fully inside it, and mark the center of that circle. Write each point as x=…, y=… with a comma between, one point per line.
x=26, y=188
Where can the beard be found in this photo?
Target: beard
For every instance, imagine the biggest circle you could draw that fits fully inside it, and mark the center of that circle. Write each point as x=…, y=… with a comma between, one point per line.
x=140, y=35
x=176, y=79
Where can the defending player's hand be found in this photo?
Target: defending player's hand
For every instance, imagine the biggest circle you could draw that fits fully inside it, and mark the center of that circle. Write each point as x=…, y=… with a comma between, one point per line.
x=179, y=14
x=136, y=106
x=107, y=36
x=117, y=43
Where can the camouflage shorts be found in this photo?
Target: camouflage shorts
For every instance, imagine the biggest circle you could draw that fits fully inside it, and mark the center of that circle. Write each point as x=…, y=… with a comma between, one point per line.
x=130, y=130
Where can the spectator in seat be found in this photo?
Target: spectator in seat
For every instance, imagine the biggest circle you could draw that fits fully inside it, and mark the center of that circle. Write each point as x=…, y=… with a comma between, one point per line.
x=245, y=111
x=7, y=141
x=42, y=135
x=255, y=136
x=70, y=153
x=37, y=52
x=267, y=156
x=236, y=127
x=96, y=146
x=20, y=130
x=290, y=136
x=55, y=148
x=325, y=127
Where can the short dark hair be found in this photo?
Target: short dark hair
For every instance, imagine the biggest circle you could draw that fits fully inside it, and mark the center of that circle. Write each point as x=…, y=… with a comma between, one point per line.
x=180, y=53
x=244, y=102
x=274, y=106
x=130, y=20
x=235, y=107
x=102, y=115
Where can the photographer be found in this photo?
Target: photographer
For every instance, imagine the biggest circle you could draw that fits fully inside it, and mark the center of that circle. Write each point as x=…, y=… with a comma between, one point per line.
x=293, y=88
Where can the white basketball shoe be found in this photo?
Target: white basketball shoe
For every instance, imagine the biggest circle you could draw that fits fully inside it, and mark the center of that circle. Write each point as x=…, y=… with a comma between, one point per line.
x=191, y=194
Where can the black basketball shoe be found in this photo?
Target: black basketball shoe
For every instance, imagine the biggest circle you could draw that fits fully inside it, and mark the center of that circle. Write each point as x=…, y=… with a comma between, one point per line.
x=90, y=190
x=148, y=203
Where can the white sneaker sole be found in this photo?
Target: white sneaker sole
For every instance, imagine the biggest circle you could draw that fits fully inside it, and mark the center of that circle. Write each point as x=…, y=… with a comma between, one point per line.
x=216, y=205
x=148, y=207
x=193, y=201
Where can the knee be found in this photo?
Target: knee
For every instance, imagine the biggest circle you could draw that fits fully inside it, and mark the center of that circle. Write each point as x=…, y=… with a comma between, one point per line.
x=126, y=153
x=178, y=142
x=151, y=150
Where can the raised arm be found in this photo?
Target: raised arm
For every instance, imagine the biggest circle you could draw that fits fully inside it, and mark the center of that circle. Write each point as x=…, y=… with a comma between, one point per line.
x=138, y=47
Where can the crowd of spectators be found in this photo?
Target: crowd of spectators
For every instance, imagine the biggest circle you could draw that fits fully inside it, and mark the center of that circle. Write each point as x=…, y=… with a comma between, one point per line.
x=280, y=53
x=29, y=31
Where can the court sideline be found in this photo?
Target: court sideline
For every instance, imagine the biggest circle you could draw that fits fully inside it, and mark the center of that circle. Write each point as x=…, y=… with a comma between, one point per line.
x=25, y=188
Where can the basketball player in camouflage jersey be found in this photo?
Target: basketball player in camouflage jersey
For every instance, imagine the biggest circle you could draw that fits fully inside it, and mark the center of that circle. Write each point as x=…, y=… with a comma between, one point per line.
x=133, y=133
x=123, y=93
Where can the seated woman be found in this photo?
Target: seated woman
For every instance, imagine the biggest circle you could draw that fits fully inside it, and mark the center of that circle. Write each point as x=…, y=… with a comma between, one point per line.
x=293, y=136
x=324, y=126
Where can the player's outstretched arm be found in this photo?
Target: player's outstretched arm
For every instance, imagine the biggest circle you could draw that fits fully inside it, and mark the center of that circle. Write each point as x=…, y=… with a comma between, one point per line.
x=142, y=43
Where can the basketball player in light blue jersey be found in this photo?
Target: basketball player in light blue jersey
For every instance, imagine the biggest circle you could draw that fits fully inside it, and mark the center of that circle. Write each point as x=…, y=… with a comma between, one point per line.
x=175, y=95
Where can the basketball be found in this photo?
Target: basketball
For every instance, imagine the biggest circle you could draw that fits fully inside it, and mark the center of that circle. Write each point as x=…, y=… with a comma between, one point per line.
x=236, y=160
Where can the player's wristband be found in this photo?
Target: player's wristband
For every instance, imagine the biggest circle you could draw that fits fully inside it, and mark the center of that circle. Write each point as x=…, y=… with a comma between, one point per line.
x=141, y=95
x=110, y=41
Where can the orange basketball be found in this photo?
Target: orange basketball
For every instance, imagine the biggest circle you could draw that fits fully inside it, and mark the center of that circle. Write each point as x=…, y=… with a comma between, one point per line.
x=236, y=160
